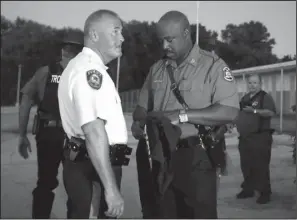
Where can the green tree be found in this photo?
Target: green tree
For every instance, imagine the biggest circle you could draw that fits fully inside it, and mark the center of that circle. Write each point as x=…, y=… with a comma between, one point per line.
x=248, y=44
x=288, y=58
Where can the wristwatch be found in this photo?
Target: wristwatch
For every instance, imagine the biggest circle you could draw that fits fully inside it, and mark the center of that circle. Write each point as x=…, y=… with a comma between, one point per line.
x=255, y=111
x=183, y=117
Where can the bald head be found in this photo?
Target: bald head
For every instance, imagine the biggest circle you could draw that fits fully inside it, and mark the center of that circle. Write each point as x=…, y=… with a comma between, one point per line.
x=255, y=77
x=254, y=83
x=96, y=18
x=173, y=30
x=176, y=18
x=103, y=34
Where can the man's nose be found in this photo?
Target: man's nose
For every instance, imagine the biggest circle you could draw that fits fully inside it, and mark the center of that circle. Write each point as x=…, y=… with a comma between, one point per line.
x=122, y=39
x=165, y=44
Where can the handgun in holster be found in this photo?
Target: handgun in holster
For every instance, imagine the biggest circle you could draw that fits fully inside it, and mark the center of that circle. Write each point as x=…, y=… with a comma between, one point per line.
x=75, y=149
x=214, y=139
x=118, y=154
x=36, y=124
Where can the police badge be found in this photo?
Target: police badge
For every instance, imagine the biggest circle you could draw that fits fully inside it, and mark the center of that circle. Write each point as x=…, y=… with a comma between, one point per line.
x=254, y=104
x=94, y=78
x=227, y=74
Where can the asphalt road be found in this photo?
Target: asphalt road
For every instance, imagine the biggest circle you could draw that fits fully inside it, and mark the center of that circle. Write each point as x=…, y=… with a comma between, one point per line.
x=18, y=178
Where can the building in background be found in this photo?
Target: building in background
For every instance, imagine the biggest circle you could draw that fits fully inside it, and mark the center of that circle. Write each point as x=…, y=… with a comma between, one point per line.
x=279, y=80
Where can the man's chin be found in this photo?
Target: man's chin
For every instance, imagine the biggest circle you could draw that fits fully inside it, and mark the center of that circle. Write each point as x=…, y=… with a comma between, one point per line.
x=170, y=55
x=117, y=54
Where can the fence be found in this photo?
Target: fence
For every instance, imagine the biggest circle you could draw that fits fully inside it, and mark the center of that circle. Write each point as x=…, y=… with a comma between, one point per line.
x=279, y=80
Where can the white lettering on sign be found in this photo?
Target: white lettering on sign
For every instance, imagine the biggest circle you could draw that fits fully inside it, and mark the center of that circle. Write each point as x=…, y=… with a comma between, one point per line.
x=55, y=79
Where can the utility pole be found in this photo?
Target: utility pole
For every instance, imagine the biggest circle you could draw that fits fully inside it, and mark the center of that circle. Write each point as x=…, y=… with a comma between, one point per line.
x=19, y=80
x=18, y=85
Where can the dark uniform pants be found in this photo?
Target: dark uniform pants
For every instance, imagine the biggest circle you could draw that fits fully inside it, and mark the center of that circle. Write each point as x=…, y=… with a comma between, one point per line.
x=193, y=192
x=255, y=154
x=78, y=179
x=49, y=143
x=145, y=182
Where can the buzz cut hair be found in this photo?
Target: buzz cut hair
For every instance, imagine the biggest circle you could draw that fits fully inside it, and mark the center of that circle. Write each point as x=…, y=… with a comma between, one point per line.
x=97, y=16
x=177, y=16
x=254, y=74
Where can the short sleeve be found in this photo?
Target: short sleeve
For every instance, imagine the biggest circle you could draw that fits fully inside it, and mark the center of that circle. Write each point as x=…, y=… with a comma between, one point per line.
x=268, y=103
x=144, y=99
x=224, y=89
x=89, y=102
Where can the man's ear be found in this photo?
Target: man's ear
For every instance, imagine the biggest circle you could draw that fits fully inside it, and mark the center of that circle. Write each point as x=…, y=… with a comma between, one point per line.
x=93, y=35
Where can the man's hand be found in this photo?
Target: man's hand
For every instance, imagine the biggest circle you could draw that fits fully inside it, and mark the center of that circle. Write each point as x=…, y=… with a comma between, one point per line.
x=115, y=203
x=248, y=109
x=137, y=130
x=24, y=147
x=173, y=116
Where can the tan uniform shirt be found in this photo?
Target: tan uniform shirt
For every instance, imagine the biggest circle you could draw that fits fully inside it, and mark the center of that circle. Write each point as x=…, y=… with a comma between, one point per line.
x=203, y=79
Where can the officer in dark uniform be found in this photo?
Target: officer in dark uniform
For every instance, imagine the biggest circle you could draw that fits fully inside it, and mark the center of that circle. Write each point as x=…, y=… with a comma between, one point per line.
x=255, y=140
x=42, y=90
x=209, y=91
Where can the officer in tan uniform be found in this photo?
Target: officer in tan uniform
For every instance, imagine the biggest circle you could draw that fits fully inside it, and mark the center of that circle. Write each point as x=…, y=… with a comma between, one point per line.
x=93, y=119
x=209, y=89
x=42, y=90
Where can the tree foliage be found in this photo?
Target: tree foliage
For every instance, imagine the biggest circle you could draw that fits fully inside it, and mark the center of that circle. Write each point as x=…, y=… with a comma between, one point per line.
x=247, y=44
x=32, y=44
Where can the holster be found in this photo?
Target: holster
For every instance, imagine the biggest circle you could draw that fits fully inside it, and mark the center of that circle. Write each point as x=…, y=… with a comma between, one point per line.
x=214, y=141
x=75, y=150
x=36, y=124
x=118, y=154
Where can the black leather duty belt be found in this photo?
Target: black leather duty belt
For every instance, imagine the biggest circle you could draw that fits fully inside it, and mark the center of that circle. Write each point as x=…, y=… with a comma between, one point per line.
x=51, y=123
x=117, y=152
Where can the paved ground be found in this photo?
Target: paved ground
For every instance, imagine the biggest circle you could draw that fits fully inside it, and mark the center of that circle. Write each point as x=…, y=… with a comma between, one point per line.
x=18, y=178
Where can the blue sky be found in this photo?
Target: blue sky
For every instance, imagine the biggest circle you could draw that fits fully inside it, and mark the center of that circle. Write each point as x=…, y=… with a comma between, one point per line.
x=278, y=16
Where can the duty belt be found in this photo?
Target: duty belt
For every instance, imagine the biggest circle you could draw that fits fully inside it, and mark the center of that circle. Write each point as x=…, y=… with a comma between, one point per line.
x=51, y=123
x=117, y=152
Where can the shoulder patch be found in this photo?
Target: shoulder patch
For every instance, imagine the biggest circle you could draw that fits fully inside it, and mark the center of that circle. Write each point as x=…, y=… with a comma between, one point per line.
x=94, y=78
x=227, y=74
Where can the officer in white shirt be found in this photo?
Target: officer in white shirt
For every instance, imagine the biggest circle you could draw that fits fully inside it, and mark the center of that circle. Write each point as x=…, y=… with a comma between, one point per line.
x=93, y=119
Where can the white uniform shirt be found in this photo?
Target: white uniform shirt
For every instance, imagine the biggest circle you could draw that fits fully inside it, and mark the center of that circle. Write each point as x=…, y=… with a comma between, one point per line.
x=80, y=104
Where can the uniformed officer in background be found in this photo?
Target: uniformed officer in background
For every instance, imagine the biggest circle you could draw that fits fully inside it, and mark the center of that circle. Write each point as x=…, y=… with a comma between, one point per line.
x=255, y=140
x=42, y=90
x=209, y=90
x=93, y=119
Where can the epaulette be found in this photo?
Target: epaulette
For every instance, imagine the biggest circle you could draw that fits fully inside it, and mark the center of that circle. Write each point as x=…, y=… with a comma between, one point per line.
x=212, y=55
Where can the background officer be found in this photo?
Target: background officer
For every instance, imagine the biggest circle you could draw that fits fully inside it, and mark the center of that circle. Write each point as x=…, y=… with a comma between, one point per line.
x=209, y=90
x=42, y=90
x=255, y=140
x=93, y=119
